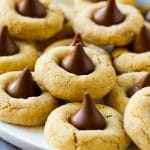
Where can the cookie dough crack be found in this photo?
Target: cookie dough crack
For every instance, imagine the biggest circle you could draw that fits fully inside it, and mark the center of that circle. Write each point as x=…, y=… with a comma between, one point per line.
x=75, y=140
x=136, y=116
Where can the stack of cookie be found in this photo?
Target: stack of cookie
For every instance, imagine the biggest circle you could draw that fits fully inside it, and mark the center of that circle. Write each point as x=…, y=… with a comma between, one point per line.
x=56, y=70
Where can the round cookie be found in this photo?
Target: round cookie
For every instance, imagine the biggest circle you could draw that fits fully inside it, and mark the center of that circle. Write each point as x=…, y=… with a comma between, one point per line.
x=118, y=34
x=137, y=119
x=69, y=86
x=134, y=61
x=118, y=98
x=32, y=111
x=21, y=26
x=112, y=137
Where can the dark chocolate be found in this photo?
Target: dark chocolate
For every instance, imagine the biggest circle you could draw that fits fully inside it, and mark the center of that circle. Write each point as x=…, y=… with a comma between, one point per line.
x=24, y=86
x=7, y=45
x=77, y=62
x=77, y=39
x=144, y=82
x=142, y=41
x=108, y=15
x=88, y=117
x=31, y=8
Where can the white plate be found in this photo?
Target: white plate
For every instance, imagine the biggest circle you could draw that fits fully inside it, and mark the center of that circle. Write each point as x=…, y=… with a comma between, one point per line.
x=33, y=138
x=23, y=137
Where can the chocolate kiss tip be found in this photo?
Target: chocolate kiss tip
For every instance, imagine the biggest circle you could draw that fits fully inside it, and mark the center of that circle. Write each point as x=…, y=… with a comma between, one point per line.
x=88, y=117
x=144, y=82
x=142, y=41
x=77, y=39
x=78, y=62
x=147, y=16
x=7, y=45
x=24, y=86
x=31, y=8
x=108, y=15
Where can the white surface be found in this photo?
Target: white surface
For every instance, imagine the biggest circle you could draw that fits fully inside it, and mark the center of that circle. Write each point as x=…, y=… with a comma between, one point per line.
x=23, y=137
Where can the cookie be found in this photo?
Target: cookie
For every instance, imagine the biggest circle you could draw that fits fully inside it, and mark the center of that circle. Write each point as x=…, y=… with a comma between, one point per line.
x=118, y=98
x=20, y=24
x=30, y=111
x=70, y=86
x=137, y=119
x=118, y=34
x=58, y=125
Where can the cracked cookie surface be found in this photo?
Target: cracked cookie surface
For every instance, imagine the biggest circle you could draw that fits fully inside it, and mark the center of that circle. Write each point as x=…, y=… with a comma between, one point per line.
x=134, y=62
x=61, y=134
x=137, y=118
x=20, y=26
x=118, y=98
x=32, y=111
x=68, y=86
x=120, y=34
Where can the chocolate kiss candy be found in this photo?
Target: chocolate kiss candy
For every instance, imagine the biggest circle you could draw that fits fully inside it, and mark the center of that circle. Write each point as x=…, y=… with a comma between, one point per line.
x=7, y=45
x=142, y=41
x=78, y=62
x=88, y=117
x=31, y=8
x=147, y=17
x=24, y=86
x=77, y=39
x=109, y=15
x=145, y=82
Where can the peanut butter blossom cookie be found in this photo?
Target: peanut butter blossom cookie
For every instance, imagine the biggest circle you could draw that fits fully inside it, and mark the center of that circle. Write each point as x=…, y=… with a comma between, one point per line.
x=67, y=72
x=126, y=86
x=137, y=118
x=108, y=23
x=30, y=19
x=14, y=54
x=136, y=55
x=86, y=126
x=22, y=101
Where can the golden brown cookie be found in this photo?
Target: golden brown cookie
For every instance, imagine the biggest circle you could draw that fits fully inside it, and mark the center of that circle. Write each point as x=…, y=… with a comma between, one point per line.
x=112, y=137
x=32, y=111
x=20, y=26
x=118, y=34
x=69, y=86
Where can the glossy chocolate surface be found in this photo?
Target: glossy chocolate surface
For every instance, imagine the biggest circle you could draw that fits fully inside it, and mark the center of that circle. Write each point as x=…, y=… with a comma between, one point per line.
x=7, y=45
x=31, y=8
x=78, y=62
x=88, y=117
x=108, y=15
x=24, y=86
